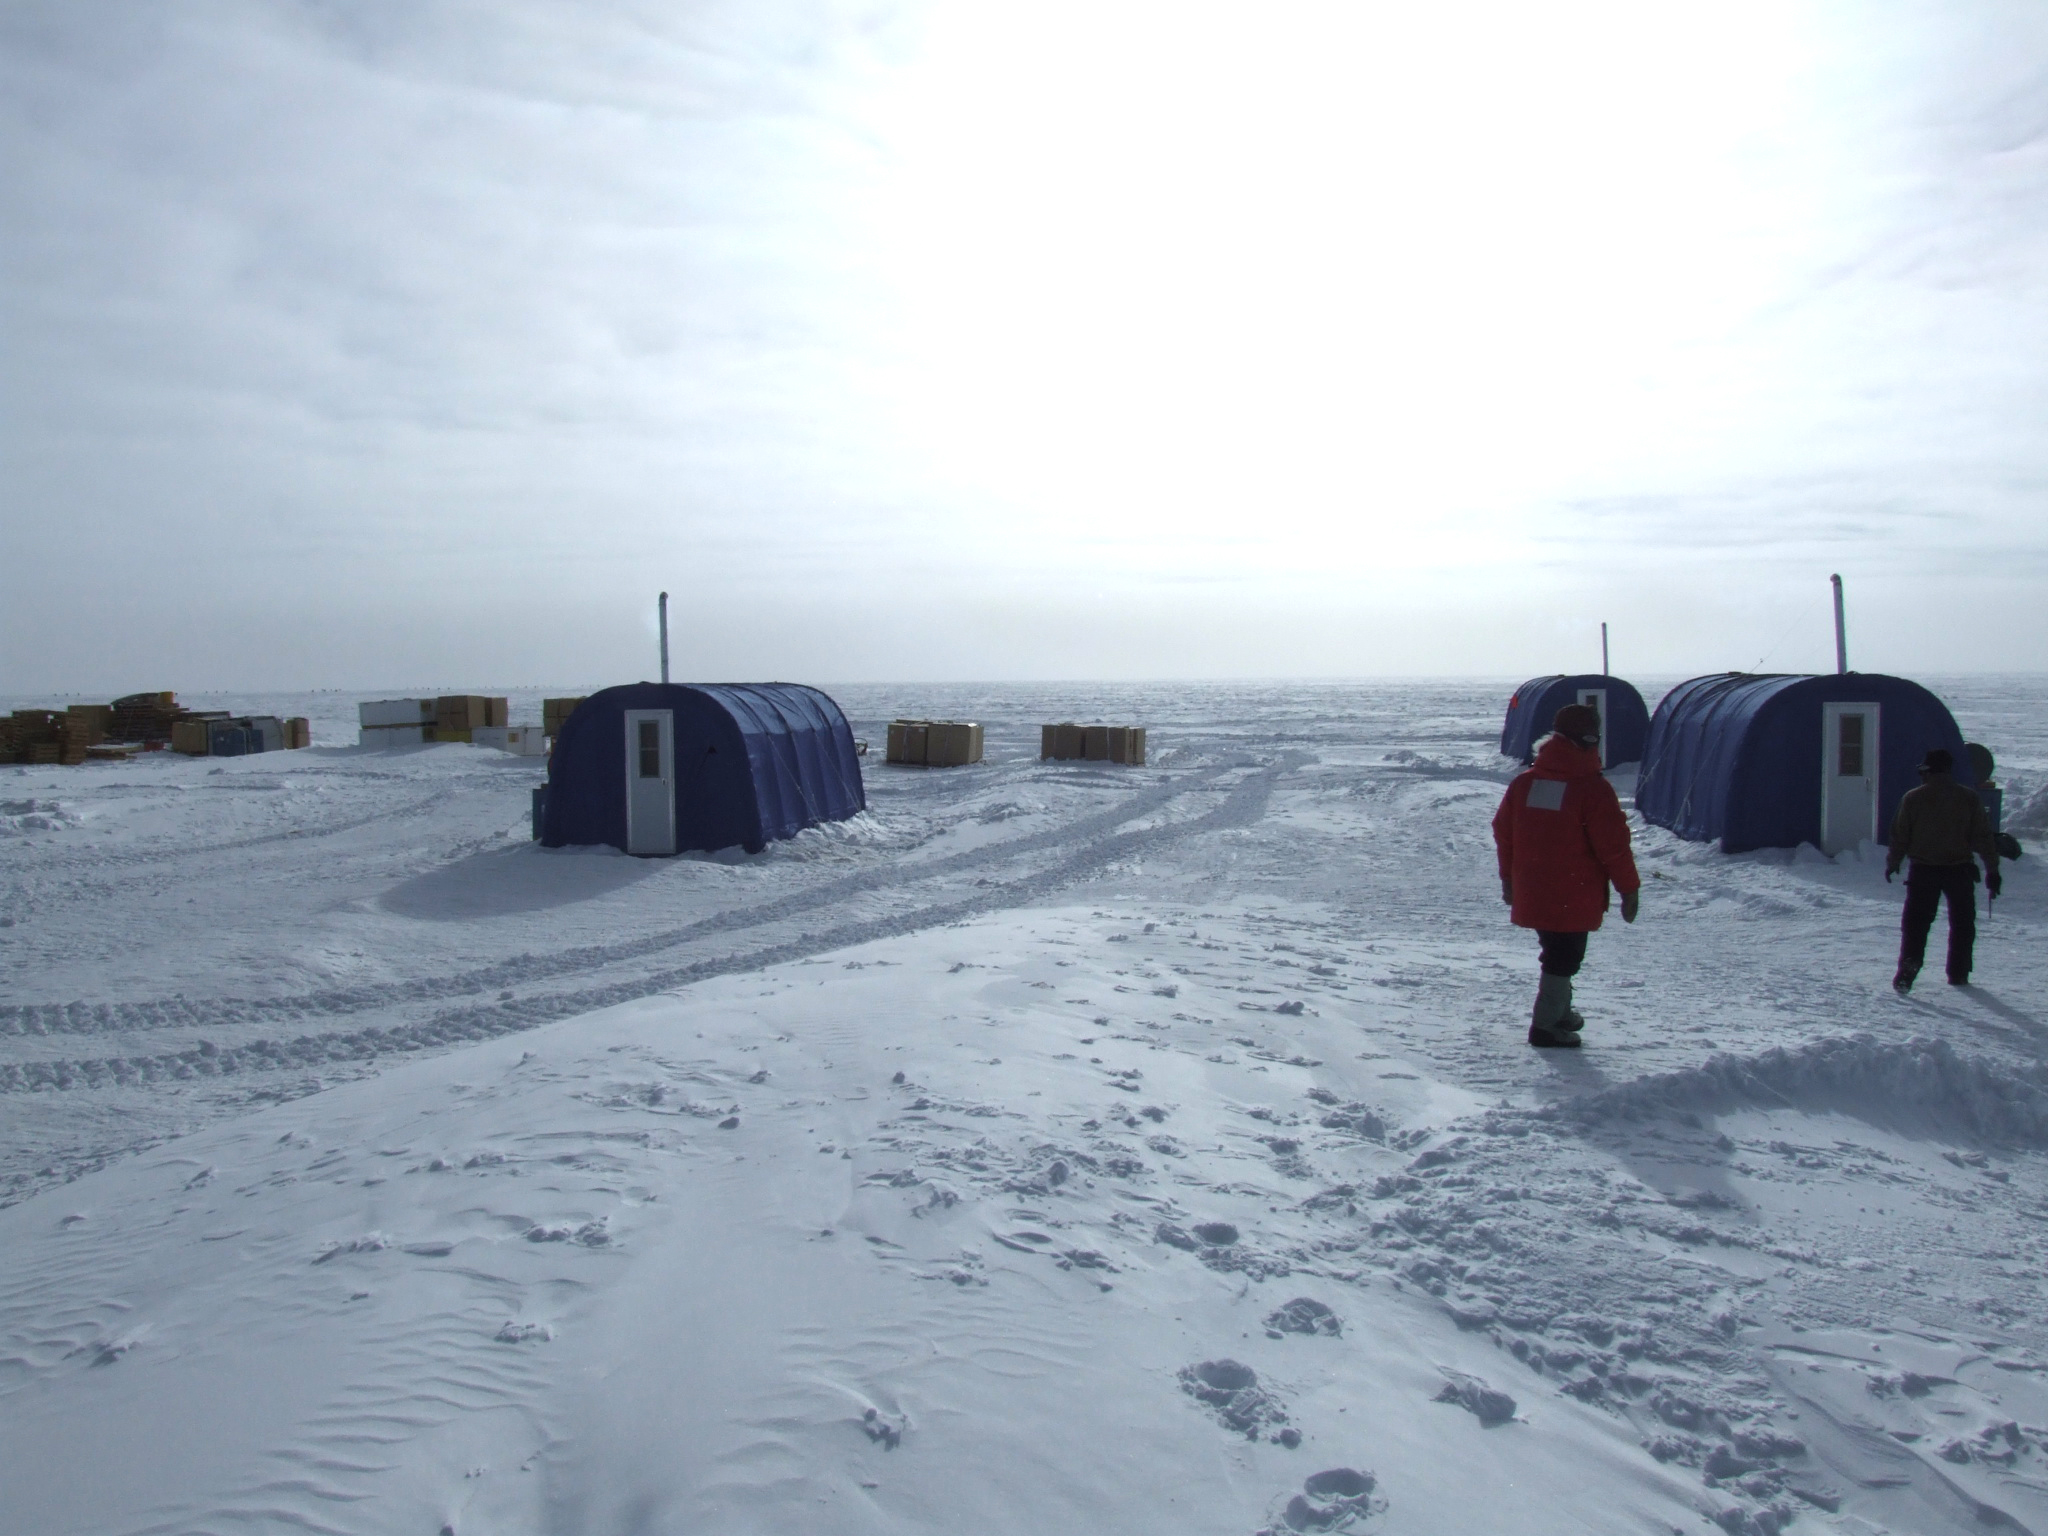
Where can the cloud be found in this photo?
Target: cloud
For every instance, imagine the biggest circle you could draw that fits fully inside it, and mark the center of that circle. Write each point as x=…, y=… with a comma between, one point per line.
x=447, y=331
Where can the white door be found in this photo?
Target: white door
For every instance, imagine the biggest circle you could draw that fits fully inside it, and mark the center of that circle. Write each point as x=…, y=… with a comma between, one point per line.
x=1595, y=699
x=651, y=782
x=1848, y=790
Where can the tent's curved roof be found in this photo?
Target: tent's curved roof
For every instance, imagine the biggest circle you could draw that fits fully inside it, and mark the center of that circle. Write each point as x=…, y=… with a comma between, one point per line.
x=1737, y=756
x=1536, y=703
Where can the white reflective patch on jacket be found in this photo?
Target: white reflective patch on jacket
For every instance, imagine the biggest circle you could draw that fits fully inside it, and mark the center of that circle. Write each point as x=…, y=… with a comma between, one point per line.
x=1546, y=794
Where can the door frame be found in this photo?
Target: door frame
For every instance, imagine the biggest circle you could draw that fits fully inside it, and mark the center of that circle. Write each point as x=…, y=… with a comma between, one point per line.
x=1831, y=713
x=658, y=847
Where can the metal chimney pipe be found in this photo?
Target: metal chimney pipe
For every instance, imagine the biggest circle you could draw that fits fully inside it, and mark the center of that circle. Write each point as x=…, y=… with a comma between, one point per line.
x=1604, y=672
x=664, y=636
x=1841, y=630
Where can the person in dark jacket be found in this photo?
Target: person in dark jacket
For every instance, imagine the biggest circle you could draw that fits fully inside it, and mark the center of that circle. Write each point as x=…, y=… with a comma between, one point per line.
x=1939, y=826
x=1562, y=841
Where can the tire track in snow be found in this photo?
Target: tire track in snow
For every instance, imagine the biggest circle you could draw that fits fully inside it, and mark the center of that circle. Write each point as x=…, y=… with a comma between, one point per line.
x=87, y=860
x=1243, y=806
x=179, y=1012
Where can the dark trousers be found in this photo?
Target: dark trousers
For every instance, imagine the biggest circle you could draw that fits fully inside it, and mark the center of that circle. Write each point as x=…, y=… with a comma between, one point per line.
x=1564, y=953
x=1926, y=884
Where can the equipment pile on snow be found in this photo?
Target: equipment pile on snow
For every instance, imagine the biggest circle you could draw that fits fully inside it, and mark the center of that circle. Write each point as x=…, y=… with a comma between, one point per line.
x=476, y=718
x=139, y=722
x=1093, y=743
x=935, y=743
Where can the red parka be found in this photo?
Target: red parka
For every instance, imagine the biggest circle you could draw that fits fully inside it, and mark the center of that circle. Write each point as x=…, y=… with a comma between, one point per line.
x=1562, y=840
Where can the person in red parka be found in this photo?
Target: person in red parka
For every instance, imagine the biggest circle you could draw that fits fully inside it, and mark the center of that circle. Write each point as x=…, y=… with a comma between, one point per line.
x=1562, y=842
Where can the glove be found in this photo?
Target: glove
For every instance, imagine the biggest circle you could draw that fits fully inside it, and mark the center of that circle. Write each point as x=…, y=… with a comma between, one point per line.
x=1631, y=903
x=1994, y=883
x=1507, y=890
x=1889, y=871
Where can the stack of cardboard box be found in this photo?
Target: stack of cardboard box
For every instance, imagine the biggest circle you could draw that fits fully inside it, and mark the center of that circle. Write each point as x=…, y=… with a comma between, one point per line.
x=189, y=735
x=471, y=717
x=35, y=736
x=140, y=722
x=218, y=734
x=935, y=743
x=84, y=726
x=1094, y=743
x=554, y=714
x=458, y=714
x=396, y=722
x=144, y=717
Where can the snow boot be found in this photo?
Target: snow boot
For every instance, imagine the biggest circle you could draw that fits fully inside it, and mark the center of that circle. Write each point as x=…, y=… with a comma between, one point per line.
x=1903, y=982
x=1553, y=1021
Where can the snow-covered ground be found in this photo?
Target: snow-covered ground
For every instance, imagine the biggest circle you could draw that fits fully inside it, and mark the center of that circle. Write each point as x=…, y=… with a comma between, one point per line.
x=1056, y=1148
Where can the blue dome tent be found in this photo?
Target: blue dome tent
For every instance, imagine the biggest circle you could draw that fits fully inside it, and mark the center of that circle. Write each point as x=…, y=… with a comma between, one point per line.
x=1773, y=761
x=657, y=768
x=1623, y=718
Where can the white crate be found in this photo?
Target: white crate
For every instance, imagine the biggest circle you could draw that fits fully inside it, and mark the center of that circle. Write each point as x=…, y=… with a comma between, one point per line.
x=526, y=741
x=393, y=736
x=378, y=712
x=487, y=736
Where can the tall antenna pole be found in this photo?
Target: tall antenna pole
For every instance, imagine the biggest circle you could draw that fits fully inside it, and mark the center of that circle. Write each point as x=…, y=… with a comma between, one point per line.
x=1841, y=630
x=664, y=636
x=1603, y=649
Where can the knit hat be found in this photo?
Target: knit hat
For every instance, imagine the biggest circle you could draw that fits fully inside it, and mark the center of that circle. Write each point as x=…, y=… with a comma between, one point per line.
x=1579, y=723
x=1938, y=760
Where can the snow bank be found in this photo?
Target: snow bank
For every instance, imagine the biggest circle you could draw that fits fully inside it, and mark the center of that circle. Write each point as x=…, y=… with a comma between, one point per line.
x=1919, y=1084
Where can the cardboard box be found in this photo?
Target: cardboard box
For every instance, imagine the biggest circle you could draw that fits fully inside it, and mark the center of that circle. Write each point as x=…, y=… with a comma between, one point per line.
x=496, y=711
x=444, y=733
x=298, y=732
x=396, y=712
x=555, y=713
x=460, y=712
x=189, y=737
x=88, y=722
x=952, y=743
x=907, y=740
x=1093, y=743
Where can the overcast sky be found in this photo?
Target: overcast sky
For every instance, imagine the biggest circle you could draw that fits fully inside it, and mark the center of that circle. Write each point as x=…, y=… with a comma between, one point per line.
x=363, y=343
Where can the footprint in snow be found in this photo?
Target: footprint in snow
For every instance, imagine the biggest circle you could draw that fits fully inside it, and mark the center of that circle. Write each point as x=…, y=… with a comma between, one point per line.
x=591, y=1234
x=1489, y=1405
x=1338, y=1499
x=1304, y=1315
x=1231, y=1390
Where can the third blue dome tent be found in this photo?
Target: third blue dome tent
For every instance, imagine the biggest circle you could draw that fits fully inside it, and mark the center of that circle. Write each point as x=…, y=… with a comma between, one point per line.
x=1773, y=761
x=1624, y=720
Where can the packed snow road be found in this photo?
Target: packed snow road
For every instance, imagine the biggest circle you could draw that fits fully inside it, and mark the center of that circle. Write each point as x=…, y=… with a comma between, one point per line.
x=1057, y=1147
